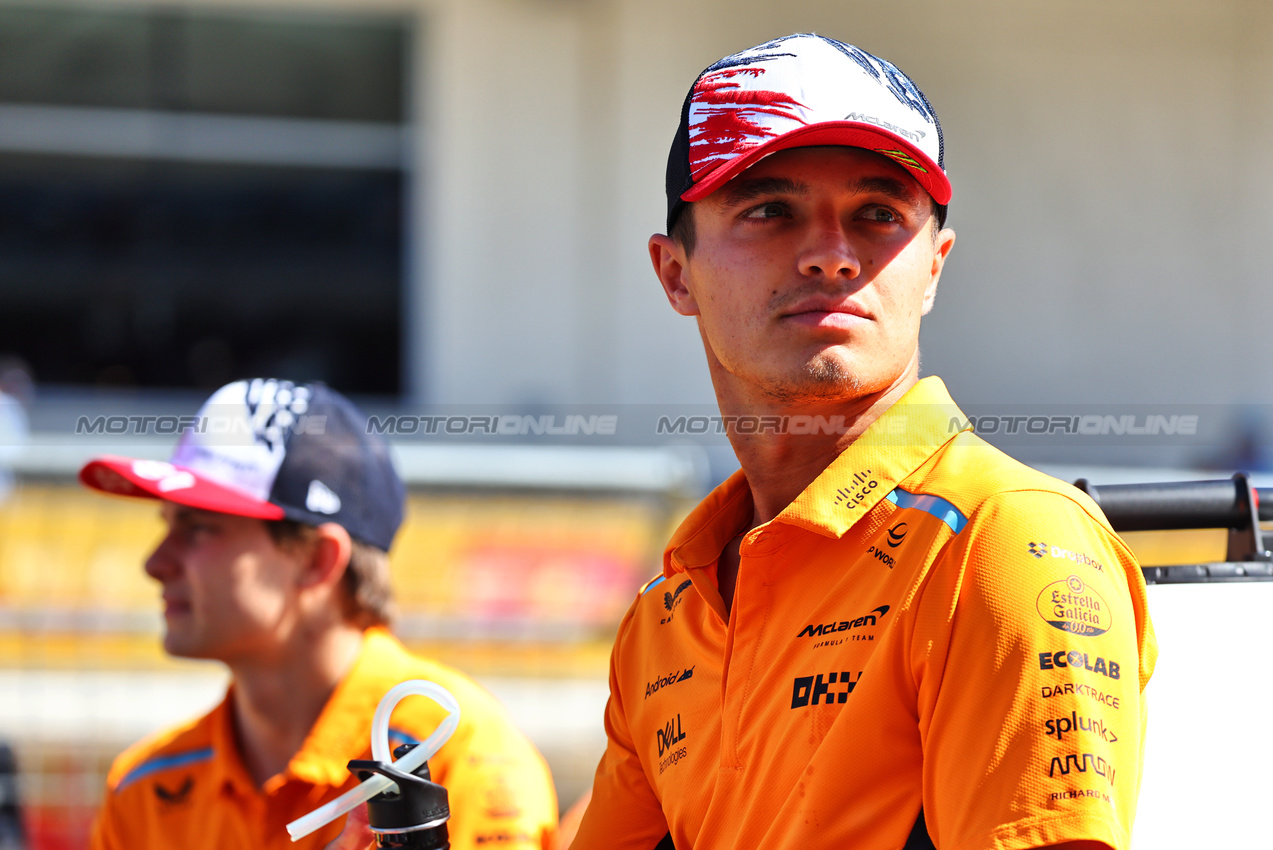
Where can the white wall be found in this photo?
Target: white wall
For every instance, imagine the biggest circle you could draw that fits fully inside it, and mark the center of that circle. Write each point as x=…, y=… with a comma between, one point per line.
x=1109, y=163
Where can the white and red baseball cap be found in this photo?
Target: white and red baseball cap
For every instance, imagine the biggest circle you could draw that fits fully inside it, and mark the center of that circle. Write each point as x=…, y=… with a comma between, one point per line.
x=272, y=449
x=800, y=91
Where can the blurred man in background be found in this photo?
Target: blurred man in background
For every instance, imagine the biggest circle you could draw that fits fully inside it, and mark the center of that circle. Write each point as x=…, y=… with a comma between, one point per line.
x=881, y=632
x=279, y=510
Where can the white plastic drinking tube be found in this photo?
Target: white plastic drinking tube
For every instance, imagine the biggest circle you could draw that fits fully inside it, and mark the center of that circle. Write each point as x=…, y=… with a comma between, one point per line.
x=381, y=752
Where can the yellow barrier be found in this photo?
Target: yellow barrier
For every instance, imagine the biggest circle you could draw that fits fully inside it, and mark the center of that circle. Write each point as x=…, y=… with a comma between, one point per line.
x=498, y=582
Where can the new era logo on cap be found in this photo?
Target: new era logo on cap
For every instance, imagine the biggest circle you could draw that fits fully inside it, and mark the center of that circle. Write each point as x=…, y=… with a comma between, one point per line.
x=321, y=500
x=273, y=449
x=798, y=91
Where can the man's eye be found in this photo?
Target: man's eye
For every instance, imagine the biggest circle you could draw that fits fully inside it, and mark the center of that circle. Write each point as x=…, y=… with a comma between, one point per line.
x=770, y=210
x=882, y=214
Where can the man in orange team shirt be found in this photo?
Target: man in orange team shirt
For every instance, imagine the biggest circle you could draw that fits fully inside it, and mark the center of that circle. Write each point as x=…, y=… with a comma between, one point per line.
x=280, y=509
x=881, y=632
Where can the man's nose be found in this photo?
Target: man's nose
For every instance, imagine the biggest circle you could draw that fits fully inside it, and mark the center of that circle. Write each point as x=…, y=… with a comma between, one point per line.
x=162, y=563
x=828, y=253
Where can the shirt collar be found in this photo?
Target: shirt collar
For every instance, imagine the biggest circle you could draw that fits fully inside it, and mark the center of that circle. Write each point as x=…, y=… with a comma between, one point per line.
x=890, y=450
x=887, y=453
x=228, y=769
x=342, y=731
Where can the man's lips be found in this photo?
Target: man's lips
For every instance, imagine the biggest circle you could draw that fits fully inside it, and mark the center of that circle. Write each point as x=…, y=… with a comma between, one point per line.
x=174, y=605
x=827, y=313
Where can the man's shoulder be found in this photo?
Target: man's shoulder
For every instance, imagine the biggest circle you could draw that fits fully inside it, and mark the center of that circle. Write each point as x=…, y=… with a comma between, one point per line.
x=185, y=745
x=971, y=473
x=418, y=716
x=487, y=740
x=661, y=595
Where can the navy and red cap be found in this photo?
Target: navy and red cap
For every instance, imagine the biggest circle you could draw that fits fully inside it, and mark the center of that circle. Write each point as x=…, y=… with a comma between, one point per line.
x=799, y=91
x=272, y=449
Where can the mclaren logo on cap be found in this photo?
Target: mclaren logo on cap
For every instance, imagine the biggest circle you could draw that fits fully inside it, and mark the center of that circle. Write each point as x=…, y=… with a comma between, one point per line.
x=321, y=500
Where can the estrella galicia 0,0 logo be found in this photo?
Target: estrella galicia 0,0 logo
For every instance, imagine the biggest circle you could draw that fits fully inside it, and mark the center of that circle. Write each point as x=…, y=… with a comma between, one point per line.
x=1071, y=606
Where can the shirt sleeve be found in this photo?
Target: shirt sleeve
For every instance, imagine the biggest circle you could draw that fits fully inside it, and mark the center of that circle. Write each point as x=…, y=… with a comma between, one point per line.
x=115, y=824
x=1032, y=649
x=624, y=813
x=500, y=791
x=105, y=835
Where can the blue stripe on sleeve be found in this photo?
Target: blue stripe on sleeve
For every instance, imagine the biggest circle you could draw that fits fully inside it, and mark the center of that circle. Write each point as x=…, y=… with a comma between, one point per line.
x=397, y=737
x=159, y=763
x=654, y=584
x=933, y=505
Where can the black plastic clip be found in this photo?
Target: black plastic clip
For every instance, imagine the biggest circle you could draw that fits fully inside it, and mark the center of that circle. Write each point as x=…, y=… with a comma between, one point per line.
x=1246, y=542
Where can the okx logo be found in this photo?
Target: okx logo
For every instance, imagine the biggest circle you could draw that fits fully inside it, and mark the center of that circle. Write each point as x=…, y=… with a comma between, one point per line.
x=827, y=689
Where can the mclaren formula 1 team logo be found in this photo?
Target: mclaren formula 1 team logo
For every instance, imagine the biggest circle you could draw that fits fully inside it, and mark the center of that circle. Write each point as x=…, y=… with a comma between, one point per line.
x=833, y=628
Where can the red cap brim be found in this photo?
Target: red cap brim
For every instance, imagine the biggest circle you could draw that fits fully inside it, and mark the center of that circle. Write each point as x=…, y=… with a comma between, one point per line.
x=855, y=134
x=157, y=480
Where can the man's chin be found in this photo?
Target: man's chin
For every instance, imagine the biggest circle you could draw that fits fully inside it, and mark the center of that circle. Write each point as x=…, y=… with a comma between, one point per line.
x=183, y=646
x=823, y=379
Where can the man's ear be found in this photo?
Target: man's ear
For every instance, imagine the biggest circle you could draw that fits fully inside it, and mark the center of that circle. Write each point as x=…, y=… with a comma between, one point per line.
x=945, y=240
x=669, y=258
x=329, y=556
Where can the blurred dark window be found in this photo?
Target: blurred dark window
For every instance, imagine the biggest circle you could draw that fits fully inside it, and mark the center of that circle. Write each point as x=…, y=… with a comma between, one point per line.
x=278, y=64
x=180, y=267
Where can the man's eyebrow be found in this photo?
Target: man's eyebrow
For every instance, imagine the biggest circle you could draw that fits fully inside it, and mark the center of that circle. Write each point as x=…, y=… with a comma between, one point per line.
x=890, y=187
x=741, y=191
x=185, y=513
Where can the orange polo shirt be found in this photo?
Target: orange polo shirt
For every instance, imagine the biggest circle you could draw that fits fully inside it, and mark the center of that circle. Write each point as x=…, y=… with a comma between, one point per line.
x=932, y=638
x=188, y=787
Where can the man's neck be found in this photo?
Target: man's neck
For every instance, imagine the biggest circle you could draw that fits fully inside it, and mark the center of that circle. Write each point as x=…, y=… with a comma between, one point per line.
x=779, y=465
x=275, y=701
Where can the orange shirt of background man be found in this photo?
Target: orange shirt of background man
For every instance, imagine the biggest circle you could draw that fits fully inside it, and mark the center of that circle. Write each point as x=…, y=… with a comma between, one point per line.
x=188, y=787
